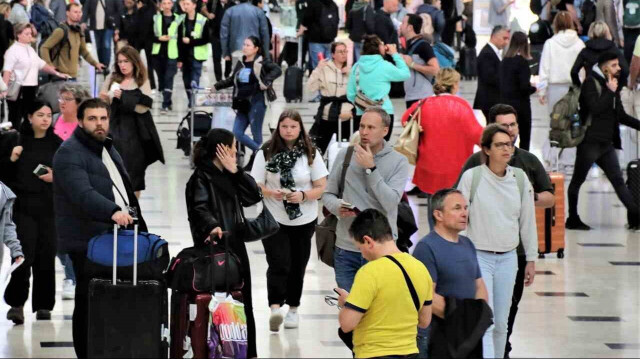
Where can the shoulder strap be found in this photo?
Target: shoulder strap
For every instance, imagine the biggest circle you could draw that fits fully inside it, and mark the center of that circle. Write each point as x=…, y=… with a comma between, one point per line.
x=475, y=182
x=345, y=167
x=413, y=46
x=520, y=176
x=412, y=289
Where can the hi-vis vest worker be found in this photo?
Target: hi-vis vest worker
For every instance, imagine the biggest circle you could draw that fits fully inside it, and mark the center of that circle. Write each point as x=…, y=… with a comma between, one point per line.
x=200, y=53
x=172, y=45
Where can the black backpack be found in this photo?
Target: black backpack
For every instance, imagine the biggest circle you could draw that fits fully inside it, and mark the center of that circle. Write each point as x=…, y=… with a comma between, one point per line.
x=55, y=51
x=328, y=22
x=540, y=31
x=588, y=10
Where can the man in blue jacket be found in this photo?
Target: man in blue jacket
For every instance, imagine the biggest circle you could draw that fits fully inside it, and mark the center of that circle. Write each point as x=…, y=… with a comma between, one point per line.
x=92, y=191
x=240, y=22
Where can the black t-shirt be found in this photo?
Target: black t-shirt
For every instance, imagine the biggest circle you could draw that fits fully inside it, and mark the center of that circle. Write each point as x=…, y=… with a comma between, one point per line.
x=246, y=81
x=166, y=22
x=562, y=6
x=423, y=49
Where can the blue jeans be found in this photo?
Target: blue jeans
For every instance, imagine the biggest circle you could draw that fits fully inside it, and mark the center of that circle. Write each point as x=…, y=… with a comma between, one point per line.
x=166, y=70
x=423, y=344
x=255, y=117
x=316, y=48
x=104, y=38
x=191, y=71
x=357, y=49
x=346, y=264
x=68, y=266
x=499, y=274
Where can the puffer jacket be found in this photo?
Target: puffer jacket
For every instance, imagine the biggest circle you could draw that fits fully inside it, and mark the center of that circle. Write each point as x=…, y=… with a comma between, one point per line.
x=83, y=191
x=376, y=76
x=589, y=57
x=331, y=82
x=8, y=234
x=268, y=70
x=558, y=56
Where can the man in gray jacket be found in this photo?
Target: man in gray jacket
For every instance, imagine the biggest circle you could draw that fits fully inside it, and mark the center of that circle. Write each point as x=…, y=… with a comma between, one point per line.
x=240, y=22
x=59, y=9
x=375, y=178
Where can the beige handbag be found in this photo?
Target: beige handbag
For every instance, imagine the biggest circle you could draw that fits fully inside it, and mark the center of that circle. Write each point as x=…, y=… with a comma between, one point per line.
x=409, y=139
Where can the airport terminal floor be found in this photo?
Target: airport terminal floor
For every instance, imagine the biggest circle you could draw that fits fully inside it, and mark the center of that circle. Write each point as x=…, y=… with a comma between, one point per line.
x=584, y=305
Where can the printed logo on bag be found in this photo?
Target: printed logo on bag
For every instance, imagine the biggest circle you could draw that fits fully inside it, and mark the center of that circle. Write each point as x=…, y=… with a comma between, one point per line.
x=233, y=332
x=220, y=263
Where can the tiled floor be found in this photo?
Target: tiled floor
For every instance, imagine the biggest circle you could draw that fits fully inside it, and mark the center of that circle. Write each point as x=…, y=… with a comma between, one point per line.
x=585, y=305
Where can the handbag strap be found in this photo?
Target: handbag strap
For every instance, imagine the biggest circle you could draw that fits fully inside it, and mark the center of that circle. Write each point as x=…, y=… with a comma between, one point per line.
x=412, y=289
x=345, y=167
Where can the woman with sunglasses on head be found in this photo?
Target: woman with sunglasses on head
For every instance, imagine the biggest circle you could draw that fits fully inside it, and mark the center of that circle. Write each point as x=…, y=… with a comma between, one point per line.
x=501, y=213
x=216, y=194
x=33, y=215
x=292, y=175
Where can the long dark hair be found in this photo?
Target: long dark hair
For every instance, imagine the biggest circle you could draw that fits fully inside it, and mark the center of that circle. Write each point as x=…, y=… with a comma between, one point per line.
x=32, y=107
x=519, y=44
x=277, y=144
x=205, y=148
x=139, y=70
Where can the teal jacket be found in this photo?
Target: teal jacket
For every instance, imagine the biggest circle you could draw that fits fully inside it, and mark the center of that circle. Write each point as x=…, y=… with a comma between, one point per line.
x=376, y=76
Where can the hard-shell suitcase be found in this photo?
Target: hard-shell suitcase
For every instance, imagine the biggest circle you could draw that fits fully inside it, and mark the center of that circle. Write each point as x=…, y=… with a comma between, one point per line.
x=189, y=324
x=633, y=180
x=336, y=146
x=293, y=79
x=550, y=221
x=468, y=63
x=127, y=319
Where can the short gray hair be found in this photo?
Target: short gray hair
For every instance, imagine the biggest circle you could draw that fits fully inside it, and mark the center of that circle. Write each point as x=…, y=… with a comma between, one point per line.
x=386, y=119
x=78, y=91
x=438, y=198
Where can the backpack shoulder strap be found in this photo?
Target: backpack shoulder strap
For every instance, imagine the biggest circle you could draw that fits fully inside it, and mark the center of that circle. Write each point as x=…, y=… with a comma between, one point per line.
x=414, y=46
x=520, y=176
x=475, y=181
x=345, y=167
x=412, y=289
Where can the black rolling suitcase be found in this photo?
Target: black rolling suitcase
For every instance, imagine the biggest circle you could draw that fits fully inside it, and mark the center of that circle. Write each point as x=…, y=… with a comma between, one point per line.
x=633, y=180
x=293, y=79
x=127, y=319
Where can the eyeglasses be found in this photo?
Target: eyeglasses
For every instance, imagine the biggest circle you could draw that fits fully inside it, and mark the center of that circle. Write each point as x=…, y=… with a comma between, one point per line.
x=66, y=99
x=332, y=301
x=342, y=52
x=503, y=145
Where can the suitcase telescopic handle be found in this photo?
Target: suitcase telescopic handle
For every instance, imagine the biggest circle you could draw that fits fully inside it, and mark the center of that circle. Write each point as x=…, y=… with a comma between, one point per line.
x=135, y=252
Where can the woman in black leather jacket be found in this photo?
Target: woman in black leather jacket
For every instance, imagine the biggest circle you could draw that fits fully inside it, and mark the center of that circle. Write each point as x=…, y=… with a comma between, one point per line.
x=215, y=194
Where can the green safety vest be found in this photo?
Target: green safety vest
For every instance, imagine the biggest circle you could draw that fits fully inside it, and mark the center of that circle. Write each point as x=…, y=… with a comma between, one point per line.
x=172, y=32
x=200, y=53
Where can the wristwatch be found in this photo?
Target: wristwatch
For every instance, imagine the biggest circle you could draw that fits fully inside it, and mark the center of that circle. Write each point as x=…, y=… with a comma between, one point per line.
x=368, y=171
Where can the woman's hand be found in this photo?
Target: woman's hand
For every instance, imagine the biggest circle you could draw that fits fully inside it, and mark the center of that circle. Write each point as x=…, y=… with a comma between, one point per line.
x=227, y=158
x=295, y=197
x=117, y=93
x=392, y=49
x=15, y=154
x=278, y=194
x=216, y=232
x=47, y=177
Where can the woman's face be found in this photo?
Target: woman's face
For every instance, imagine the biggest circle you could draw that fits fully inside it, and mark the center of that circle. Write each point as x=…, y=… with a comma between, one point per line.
x=501, y=149
x=41, y=119
x=26, y=36
x=340, y=56
x=129, y=4
x=126, y=67
x=289, y=130
x=249, y=49
x=68, y=104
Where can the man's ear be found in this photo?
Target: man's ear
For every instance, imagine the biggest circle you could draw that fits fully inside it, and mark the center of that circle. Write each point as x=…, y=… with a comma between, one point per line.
x=368, y=240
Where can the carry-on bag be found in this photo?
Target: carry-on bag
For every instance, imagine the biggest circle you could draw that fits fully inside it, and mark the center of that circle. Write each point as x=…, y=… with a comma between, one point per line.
x=293, y=79
x=189, y=325
x=127, y=319
x=551, y=221
x=228, y=330
x=633, y=180
x=335, y=146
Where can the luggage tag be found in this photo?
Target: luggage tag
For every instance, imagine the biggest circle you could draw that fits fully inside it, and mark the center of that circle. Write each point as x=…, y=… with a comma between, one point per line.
x=186, y=345
x=193, y=312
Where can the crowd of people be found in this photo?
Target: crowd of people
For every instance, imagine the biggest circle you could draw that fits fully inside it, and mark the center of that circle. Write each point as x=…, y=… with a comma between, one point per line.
x=73, y=170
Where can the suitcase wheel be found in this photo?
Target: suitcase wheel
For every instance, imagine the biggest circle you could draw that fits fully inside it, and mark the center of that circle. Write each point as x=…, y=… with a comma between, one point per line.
x=561, y=253
x=541, y=255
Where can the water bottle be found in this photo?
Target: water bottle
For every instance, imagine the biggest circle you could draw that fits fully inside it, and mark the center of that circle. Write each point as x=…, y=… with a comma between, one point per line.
x=575, y=125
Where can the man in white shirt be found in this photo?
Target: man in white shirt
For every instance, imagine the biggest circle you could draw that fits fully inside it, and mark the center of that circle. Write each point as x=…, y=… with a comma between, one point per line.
x=488, y=93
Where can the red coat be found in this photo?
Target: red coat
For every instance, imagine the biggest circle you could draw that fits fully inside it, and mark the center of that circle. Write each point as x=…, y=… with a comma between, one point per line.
x=450, y=130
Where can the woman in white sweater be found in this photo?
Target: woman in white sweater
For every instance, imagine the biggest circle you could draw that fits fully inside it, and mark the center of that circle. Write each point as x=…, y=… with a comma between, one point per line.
x=501, y=214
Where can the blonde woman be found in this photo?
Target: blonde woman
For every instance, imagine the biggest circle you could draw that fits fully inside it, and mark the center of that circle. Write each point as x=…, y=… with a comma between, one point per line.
x=134, y=134
x=600, y=41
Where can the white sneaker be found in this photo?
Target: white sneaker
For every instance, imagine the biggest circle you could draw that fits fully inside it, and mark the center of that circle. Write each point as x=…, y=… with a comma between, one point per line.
x=276, y=319
x=68, y=290
x=291, y=320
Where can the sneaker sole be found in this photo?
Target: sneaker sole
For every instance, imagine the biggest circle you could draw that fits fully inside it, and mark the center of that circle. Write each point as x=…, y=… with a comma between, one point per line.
x=275, y=321
x=68, y=296
x=290, y=326
x=15, y=321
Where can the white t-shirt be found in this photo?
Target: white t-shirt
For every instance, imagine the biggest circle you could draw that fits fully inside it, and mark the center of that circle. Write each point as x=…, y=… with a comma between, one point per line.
x=23, y=59
x=303, y=175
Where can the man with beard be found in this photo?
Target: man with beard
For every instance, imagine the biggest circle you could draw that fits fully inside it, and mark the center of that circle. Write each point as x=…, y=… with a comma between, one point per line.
x=92, y=191
x=600, y=101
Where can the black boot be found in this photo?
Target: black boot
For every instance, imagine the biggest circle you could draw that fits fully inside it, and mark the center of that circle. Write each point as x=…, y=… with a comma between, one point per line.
x=249, y=165
x=576, y=224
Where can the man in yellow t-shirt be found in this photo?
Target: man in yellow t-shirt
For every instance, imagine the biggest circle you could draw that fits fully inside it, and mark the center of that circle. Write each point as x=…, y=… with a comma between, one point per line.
x=390, y=297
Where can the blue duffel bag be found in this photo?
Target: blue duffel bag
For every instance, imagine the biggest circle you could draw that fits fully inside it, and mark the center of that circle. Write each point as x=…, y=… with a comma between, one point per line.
x=152, y=256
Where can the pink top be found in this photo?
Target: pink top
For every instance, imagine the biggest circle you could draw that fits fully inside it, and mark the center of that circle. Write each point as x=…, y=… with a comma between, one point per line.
x=64, y=129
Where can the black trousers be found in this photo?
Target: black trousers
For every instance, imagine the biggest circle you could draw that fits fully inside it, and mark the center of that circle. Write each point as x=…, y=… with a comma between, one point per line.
x=147, y=47
x=288, y=253
x=604, y=155
x=80, y=321
x=386, y=138
x=410, y=103
x=322, y=131
x=18, y=108
x=518, y=289
x=166, y=70
x=216, y=46
x=37, y=233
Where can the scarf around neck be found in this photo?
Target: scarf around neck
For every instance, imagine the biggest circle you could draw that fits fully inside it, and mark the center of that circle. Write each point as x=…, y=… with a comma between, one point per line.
x=283, y=163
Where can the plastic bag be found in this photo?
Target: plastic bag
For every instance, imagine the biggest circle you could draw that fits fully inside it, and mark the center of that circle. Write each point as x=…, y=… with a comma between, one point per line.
x=228, y=329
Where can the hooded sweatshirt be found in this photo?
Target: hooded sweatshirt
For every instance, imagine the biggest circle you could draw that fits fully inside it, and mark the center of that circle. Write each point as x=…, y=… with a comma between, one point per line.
x=332, y=83
x=589, y=57
x=382, y=190
x=8, y=233
x=376, y=76
x=558, y=55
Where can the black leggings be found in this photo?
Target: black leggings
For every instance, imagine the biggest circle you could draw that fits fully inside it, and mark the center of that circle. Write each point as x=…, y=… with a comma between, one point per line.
x=288, y=253
x=604, y=155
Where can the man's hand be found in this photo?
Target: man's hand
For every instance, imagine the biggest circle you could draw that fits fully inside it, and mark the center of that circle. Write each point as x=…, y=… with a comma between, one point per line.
x=186, y=40
x=18, y=259
x=227, y=58
x=301, y=30
x=216, y=232
x=612, y=83
x=529, y=273
x=47, y=177
x=15, y=154
x=100, y=67
x=179, y=64
x=346, y=213
x=83, y=27
x=407, y=59
x=164, y=38
x=211, y=15
x=122, y=218
x=342, y=296
x=364, y=157
x=227, y=158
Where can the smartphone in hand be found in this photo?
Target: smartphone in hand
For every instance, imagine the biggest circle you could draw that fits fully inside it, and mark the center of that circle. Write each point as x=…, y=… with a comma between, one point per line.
x=41, y=170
